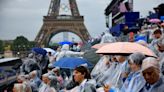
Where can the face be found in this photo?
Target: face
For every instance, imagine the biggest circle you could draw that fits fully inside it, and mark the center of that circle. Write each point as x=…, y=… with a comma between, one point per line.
x=14, y=89
x=78, y=76
x=45, y=79
x=133, y=67
x=120, y=59
x=157, y=36
x=151, y=75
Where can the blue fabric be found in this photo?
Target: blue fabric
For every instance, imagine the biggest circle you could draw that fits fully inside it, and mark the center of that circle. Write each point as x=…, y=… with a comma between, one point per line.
x=116, y=30
x=65, y=42
x=71, y=62
x=111, y=90
x=162, y=18
x=39, y=50
x=137, y=38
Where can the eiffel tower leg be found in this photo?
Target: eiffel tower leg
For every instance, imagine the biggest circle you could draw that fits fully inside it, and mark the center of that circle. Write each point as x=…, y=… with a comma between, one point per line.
x=74, y=8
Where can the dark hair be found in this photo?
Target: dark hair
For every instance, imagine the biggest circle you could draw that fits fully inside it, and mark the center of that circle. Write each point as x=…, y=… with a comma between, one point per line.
x=157, y=31
x=83, y=70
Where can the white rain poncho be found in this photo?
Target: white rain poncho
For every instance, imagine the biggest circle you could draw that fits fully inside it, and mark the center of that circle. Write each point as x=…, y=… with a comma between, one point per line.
x=65, y=52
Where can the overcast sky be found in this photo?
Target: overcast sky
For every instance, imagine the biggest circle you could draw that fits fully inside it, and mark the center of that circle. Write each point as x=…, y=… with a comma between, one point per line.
x=24, y=17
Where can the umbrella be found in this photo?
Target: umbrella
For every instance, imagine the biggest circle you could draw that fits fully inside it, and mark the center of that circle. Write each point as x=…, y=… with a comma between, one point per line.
x=162, y=24
x=65, y=42
x=39, y=50
x=97, y=46
x=124, y=48
x=91, y=56
x=50, y=50
x=71, y=62
x=154, y=20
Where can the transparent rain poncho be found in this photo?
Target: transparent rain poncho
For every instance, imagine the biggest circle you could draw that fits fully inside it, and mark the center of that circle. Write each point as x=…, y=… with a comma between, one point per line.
x=29, y=65
x=104, y=75
x=113, y=75
x=100, y=66
x=135, y=81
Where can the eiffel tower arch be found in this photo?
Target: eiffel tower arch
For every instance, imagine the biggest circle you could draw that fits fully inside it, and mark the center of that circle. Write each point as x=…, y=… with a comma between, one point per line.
x=54, y=23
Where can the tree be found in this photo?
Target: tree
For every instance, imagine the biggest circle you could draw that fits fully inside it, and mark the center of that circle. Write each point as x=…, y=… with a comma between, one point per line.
x=1, y=46
x=20, y=44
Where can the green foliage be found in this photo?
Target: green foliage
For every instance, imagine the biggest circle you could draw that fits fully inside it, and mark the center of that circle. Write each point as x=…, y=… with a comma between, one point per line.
x=1, y=46
x=20, y=44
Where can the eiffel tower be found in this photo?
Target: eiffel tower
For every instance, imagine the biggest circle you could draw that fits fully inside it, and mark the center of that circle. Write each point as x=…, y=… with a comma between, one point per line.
x=54, y=23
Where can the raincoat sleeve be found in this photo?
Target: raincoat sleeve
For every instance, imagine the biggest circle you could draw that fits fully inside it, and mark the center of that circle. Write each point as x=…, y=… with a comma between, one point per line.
x=72, y=53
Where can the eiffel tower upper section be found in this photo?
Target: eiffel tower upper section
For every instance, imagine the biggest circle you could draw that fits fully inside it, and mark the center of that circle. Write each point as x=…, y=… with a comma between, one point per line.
x=55, y=6
x=55, y=23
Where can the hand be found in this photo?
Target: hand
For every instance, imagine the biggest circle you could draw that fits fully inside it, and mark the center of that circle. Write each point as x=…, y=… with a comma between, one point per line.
x=107, y=88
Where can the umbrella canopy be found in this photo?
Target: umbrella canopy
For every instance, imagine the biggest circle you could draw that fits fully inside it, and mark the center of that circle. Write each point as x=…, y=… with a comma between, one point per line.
x=162, y=24
x=71, y=62
x=154, y=20
x=65, y=42
x=39, y=50
x=97, y=46
x=50, y=50
x=124, y=48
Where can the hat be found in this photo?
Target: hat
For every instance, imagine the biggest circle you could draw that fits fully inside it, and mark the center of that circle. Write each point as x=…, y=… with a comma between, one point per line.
x=150, y=62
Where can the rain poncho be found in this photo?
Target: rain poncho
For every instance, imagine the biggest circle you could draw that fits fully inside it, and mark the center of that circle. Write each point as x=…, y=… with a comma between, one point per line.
x=100, y=66
x=107, y=38
x=133, y=83
x=65, y=52
x=29, y=65
x=114, y=76
x=105, y=75
x=157, y=87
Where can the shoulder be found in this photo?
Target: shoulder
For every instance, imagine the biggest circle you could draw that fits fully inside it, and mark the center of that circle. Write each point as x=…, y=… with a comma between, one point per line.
x=89, y=88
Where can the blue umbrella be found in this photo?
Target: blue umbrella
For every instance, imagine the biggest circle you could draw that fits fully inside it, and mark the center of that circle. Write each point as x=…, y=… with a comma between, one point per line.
x=39, y=50
x=65, y=42
x=71, y=62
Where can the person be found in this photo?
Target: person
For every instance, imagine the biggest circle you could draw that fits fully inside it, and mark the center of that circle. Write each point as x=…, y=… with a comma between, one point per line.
x=52, y=84
x=34, y=81
x=157, y=35
x=29, y=64
x=151, y=73
x=107, y=38
x=119, y=73
x=81, y=76
x=51, y=57
x=103, y=63
x=58, y=75
x=19, y=87
x=23, y=79
x=135, y=81
x=160, y=47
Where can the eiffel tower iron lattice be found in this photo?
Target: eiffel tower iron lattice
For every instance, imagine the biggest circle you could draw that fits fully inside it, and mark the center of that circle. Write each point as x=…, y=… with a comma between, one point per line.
x=54, y=23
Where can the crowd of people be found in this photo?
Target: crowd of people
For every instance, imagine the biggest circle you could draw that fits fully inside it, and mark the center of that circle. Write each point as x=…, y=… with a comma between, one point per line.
x=112, y=73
